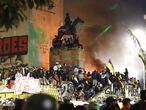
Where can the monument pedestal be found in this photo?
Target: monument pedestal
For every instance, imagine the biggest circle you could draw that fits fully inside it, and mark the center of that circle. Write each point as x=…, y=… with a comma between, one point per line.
x=67, y=56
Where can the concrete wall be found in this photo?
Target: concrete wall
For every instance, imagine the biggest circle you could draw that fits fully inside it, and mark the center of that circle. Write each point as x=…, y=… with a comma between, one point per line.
x=21, y=30
x=65, y=56
x=42, y=28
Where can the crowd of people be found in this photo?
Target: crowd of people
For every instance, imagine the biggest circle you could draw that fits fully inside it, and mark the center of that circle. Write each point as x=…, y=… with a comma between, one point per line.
x=46, y=102
x=67, y=42
x=85, y=84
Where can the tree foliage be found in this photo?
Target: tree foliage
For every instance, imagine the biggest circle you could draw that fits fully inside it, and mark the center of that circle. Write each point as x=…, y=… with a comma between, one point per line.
x=12, y=11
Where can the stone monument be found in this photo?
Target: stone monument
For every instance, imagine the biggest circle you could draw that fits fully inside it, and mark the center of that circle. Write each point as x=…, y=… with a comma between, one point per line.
x=66, y=47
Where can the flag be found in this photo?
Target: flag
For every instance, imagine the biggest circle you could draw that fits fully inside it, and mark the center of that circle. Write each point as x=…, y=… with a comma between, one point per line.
x=111, y=67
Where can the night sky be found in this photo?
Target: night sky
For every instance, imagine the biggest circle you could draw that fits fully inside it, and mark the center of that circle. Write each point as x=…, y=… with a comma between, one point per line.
x=115, y=44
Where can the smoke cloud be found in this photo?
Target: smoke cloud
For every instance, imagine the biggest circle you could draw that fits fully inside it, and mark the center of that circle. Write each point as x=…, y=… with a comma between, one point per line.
x=115, y=44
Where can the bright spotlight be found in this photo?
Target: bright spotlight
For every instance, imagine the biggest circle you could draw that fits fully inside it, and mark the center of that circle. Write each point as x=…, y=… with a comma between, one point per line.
x=141, y=36
x=139, y=33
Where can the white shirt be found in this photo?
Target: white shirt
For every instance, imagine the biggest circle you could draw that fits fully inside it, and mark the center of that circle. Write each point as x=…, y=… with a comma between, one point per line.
x=18, y=75
x=76, y=70
x=23, y=71
x=81, y=76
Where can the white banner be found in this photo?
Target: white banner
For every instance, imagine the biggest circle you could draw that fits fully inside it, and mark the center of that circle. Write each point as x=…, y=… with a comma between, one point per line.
x=26, y=84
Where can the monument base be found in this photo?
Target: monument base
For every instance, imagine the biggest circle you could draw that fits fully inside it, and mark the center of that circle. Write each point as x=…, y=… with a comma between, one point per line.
x=74, y=56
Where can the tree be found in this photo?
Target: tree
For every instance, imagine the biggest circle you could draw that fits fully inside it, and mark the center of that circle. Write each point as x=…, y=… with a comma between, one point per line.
x=142, y=52
x=12, y=11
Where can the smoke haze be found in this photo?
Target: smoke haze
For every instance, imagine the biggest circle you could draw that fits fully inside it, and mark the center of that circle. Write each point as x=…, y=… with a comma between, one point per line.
x=115, y=44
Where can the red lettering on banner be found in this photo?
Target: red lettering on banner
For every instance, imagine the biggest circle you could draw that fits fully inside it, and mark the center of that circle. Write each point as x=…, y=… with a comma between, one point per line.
x=14, y=45
x=23, y=44
x=6, y=46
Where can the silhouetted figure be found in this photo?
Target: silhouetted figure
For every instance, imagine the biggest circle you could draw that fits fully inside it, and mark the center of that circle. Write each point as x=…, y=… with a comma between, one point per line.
x=126, y=104
x=111, y=104
x=19, y=104
x=67, y=20
x=126, y=73
x=77, y=43
x=79, y=107
x=57, y=43
x=5, y=108
x=41, y=102
x=66, y=106
x=141, y=105
x=92, y=106
x=67, y=43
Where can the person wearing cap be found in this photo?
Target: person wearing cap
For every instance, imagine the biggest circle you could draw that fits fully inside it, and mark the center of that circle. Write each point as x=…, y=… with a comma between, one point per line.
x=41, y=102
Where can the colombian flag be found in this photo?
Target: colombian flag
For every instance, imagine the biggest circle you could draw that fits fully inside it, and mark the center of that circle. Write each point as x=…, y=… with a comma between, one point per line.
x=111, y=67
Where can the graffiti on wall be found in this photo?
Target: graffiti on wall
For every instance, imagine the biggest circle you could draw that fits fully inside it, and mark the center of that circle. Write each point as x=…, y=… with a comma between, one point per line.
x=38, y=47
x=12, y=49
x=10, y=60
x=67, y=90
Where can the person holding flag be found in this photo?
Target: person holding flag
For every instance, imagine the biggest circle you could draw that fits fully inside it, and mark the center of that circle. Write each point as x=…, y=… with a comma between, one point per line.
x=110, y=66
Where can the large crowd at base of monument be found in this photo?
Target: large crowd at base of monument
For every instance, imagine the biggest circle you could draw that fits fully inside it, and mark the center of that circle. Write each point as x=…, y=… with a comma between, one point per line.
x=85, y=85
x=46, y=102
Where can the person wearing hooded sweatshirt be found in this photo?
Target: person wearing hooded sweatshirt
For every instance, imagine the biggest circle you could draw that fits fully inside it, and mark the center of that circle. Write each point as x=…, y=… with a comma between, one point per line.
x=126, y=104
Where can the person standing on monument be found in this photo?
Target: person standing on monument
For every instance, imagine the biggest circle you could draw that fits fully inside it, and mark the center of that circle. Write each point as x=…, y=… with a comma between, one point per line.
x=94, y=77
x=80, y=76
x=18, y=75
x=126, y=73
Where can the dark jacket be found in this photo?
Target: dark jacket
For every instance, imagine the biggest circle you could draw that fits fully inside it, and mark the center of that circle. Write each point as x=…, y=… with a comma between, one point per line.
x=141, y=105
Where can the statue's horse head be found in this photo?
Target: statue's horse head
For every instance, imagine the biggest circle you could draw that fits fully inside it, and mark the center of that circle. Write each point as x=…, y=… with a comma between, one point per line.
x=70, y=29
x=76, y=21
x=74, y=24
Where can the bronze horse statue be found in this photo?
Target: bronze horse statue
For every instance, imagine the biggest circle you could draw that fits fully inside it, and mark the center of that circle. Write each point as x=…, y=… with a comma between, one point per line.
x=69, y=30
